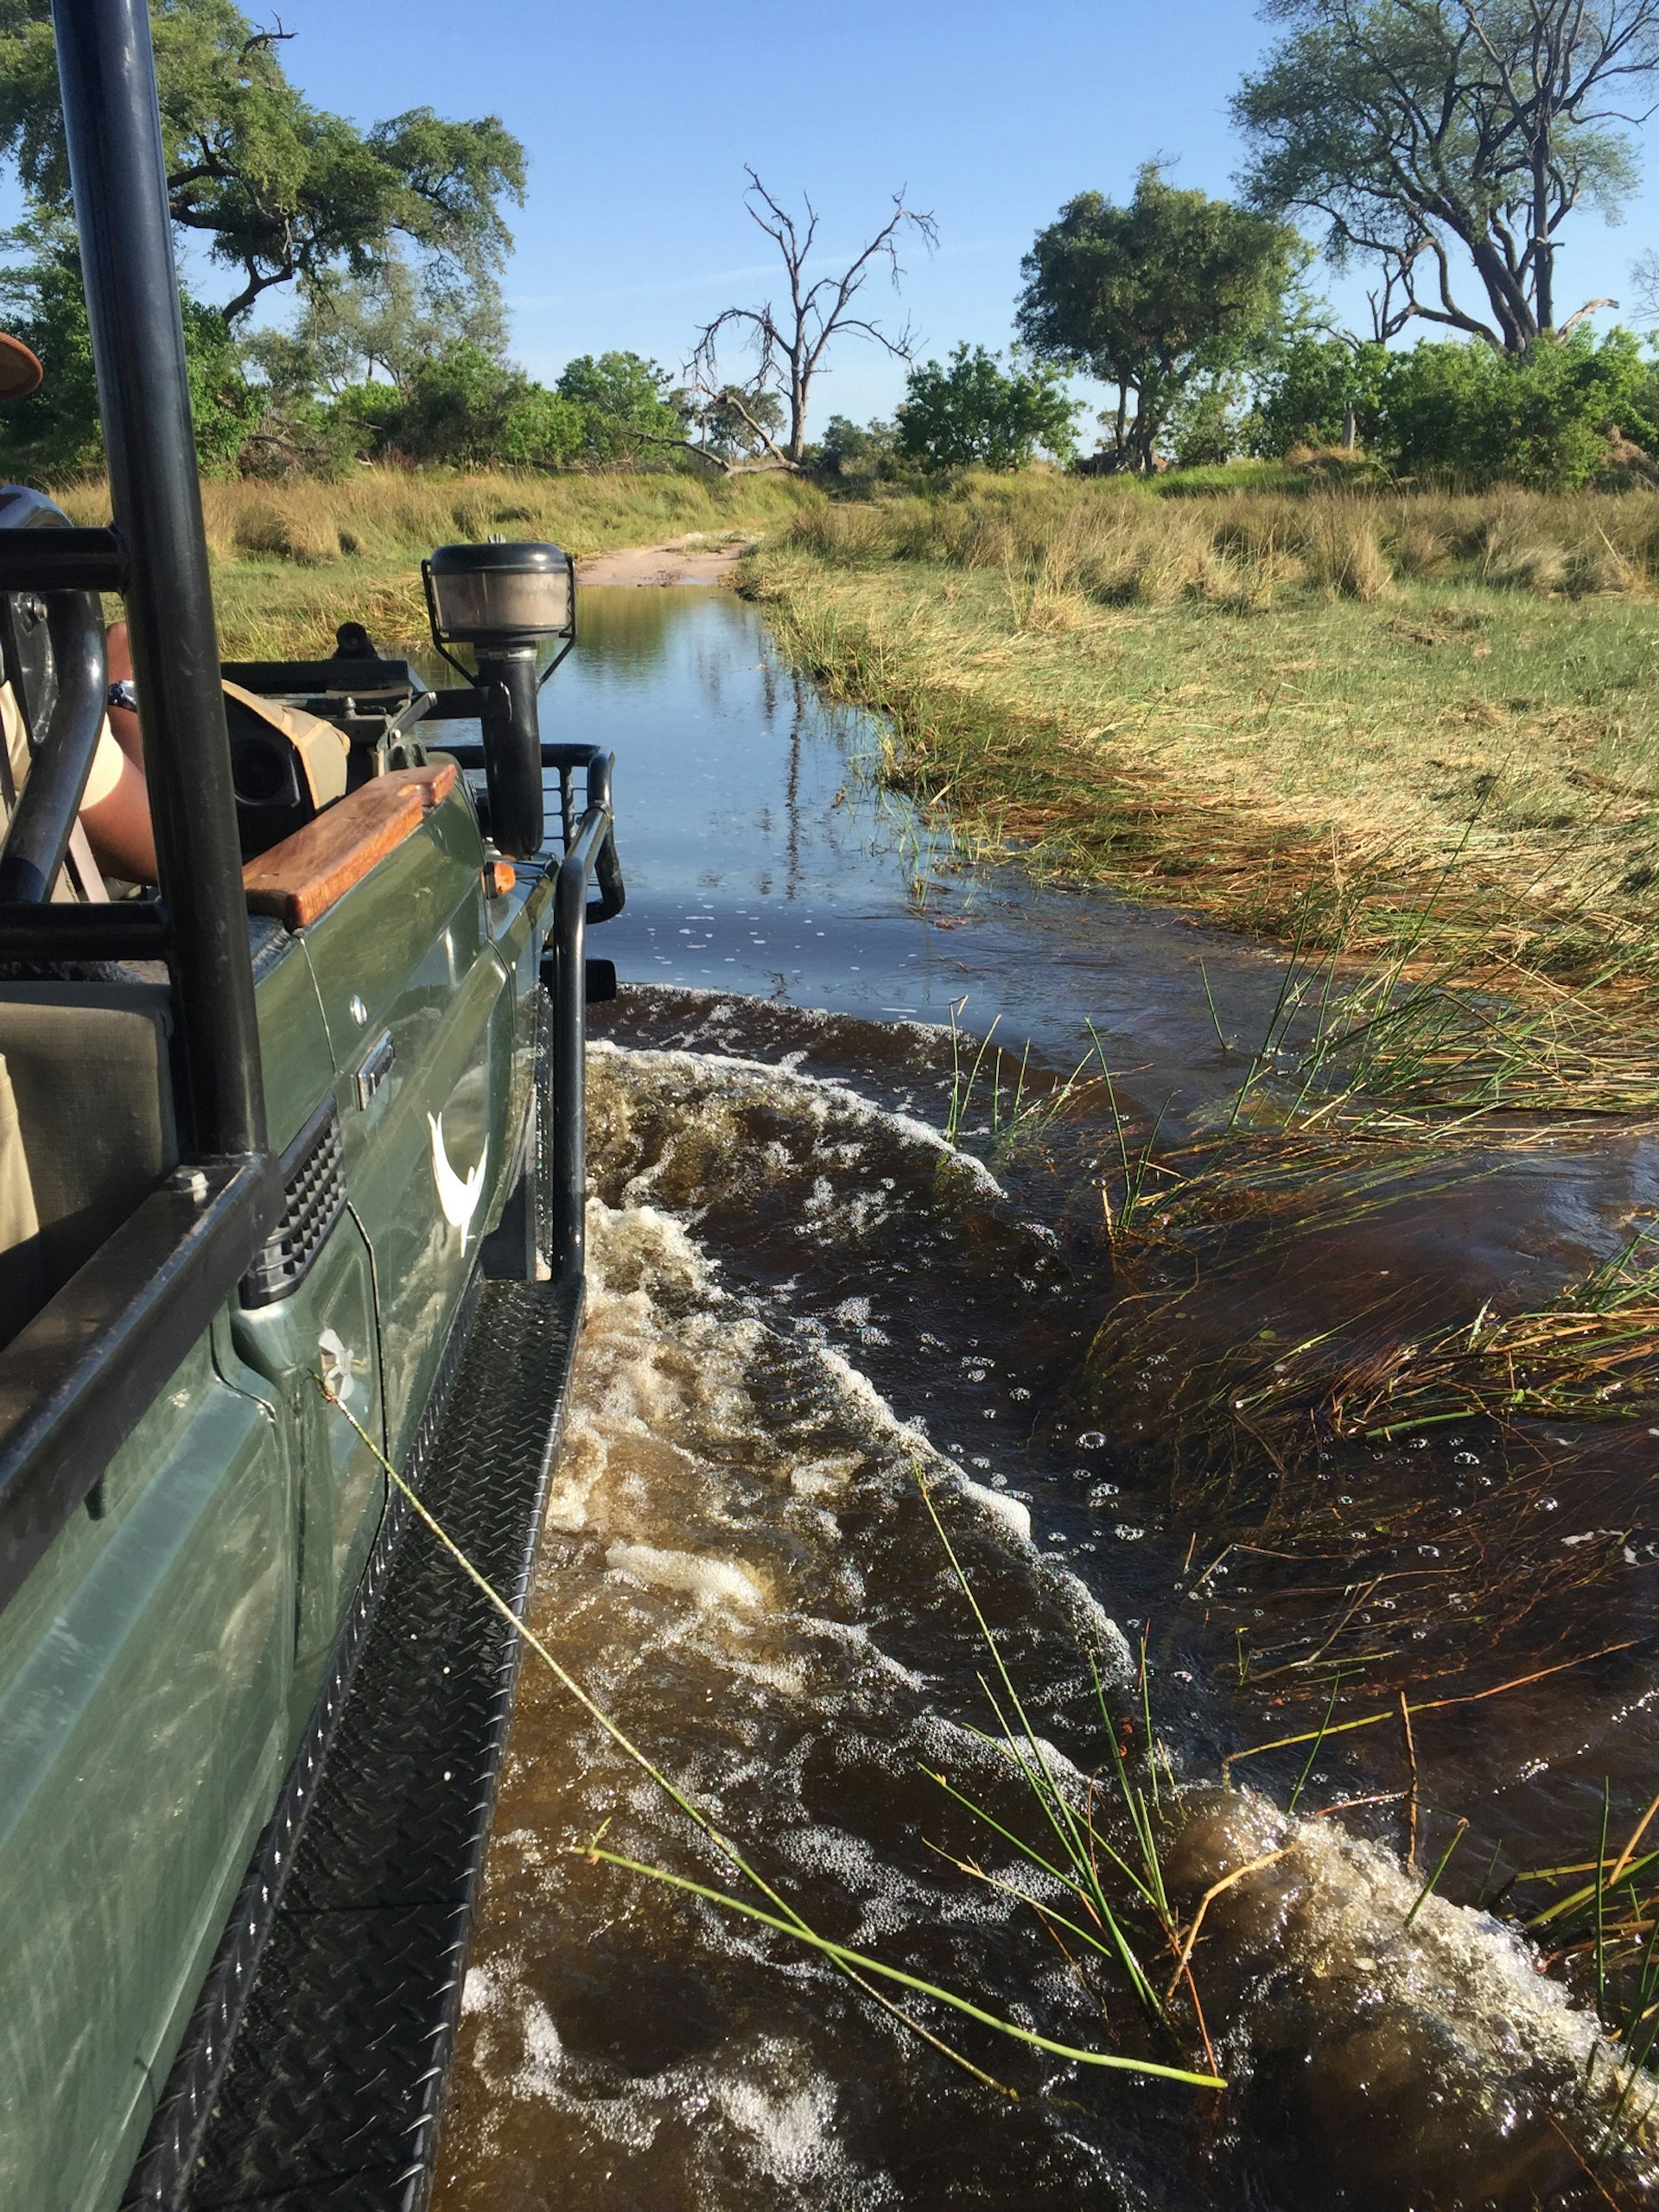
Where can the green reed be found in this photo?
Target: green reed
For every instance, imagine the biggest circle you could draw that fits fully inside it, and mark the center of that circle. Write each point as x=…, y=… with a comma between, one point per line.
x=1608, y=1929
x=1076, y=1847
x=776, y=1912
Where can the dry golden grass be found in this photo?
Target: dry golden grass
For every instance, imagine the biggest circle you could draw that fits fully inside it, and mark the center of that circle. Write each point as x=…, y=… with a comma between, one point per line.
x=1124, y=543
x=293, y=560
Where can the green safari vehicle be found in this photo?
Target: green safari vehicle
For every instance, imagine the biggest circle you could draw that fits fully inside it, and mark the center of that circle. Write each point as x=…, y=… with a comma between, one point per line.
x=299, y=1131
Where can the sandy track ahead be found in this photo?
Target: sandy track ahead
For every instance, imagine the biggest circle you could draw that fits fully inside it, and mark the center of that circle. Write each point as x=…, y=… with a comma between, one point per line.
x=694, y=560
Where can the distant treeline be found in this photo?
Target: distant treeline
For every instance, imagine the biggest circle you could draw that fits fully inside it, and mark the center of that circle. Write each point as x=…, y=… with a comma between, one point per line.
x=1565, y=413
x=371, y=371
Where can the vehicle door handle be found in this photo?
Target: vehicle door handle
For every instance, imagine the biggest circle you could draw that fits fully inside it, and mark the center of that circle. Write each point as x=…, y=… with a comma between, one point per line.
x=372, y=1075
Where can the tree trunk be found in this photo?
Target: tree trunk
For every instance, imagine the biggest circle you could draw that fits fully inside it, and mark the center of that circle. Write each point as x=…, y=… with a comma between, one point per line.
x=1543, y=251
x=1349, y=428
x=1514, y=317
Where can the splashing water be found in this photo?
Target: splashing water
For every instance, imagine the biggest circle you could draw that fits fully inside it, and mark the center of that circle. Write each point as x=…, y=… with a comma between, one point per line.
x=740, y=1566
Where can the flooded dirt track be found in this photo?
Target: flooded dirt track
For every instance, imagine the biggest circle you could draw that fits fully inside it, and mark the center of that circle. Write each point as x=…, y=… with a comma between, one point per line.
x=814, y=1323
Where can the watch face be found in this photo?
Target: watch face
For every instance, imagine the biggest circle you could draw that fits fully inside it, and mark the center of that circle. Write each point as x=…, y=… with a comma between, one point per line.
x=123, y=694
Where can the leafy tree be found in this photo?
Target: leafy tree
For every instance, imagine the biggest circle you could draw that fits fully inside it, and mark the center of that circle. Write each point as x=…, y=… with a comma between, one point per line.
x=1426, y=130
x=540, y=429
x=627, y=411
x=56, y=429
x=1305, y=396
x=462, y=408
x=383, y=326
x=333, y=379
x=1155, y=297
x=1540, y=418
x=1206, y=427
x=975, y=412
x=733, y=423
x=277, y=189
x=847, y=454
x=224, y=408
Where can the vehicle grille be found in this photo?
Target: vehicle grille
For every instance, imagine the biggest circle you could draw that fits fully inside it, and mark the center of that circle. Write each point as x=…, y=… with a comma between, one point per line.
x=313, y=1198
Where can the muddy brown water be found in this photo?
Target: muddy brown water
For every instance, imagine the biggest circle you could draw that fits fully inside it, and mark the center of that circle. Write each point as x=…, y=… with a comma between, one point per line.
x=801, y=1301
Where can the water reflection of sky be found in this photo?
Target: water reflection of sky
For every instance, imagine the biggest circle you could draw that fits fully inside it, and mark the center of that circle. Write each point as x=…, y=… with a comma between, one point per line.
x=761, y=859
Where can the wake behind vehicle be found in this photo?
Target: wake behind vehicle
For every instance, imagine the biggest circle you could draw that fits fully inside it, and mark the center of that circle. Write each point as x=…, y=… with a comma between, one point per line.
x=301, y=1131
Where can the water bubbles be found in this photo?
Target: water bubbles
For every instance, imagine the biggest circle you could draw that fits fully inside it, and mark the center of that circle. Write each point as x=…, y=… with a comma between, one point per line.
x=1126, y=1535
x=1091, y=1441
x=1547, y=1504
x=981, y=1460
x=1100, y=1492
x=1466, y=1459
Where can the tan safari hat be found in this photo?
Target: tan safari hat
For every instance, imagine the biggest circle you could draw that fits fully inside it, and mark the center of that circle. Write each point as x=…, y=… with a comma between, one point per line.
x=20, y=372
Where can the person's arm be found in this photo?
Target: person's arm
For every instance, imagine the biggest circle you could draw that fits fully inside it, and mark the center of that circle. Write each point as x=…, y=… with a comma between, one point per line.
x=123, y=720
x=115, y=808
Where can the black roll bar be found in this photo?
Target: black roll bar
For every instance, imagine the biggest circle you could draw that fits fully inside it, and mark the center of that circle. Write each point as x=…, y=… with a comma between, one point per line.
x=564, y=969
x=68, y=560
x=38, y=835
x=80, y=1374
x=107, y=72
x=596, y=766
x=588, y=856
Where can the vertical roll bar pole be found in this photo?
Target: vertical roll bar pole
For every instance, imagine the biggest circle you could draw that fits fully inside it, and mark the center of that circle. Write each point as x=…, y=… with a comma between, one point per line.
x=107, y=71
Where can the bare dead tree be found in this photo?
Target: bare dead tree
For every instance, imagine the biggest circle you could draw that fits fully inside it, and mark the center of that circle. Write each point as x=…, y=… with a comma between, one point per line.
x=789, y=343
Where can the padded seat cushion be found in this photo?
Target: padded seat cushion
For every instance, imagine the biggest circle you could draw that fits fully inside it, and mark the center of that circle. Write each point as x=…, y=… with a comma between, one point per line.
x=88, y=1064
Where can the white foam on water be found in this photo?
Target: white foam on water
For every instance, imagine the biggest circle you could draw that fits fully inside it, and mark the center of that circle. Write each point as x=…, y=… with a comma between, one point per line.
x=544, y=2052
x=1442, y=2038
x=997, y=1505
x=818, y=1098
x=710, y=1581
x=707, y=1456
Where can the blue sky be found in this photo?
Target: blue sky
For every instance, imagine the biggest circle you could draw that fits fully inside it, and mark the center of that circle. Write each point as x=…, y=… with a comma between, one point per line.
x=638, y=120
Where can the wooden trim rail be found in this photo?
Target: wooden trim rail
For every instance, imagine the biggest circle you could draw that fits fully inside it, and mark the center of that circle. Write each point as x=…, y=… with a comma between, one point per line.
x=301, y=879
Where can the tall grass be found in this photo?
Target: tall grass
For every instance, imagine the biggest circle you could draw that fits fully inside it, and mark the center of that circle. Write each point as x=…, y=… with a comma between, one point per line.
x=388, y=514
x=291, y=560
x=1120, y=543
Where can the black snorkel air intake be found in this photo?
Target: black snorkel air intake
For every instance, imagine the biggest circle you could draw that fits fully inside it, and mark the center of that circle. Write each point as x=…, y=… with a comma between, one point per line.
x=505, y=601
x=107, y=73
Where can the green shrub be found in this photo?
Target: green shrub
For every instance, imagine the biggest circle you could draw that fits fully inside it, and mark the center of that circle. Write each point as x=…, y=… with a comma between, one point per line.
x=56, y=431
x=1303, y=398
x=623, y=409
x=974, y=413
x=1540, y=418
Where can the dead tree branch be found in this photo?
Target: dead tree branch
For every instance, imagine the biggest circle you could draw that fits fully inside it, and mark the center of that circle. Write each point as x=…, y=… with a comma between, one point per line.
x=789, y=342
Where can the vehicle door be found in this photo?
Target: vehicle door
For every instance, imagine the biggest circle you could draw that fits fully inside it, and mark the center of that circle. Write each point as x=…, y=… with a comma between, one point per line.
x=420, y=1022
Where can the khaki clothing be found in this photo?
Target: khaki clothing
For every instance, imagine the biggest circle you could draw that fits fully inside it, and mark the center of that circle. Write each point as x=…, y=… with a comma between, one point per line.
x=80, y=878
x=23, y=1271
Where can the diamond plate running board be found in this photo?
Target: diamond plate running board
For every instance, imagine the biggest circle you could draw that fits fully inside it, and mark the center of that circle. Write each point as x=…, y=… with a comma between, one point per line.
x=320, y=2083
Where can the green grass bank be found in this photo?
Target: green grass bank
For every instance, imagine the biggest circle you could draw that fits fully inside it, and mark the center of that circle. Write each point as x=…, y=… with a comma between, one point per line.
x=1377, y=721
